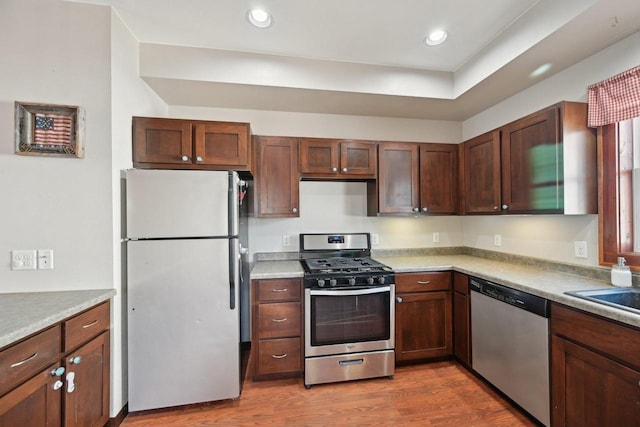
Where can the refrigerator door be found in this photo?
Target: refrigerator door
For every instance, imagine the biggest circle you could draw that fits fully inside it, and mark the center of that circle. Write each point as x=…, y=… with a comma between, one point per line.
x=175, y=203
x=183, y=337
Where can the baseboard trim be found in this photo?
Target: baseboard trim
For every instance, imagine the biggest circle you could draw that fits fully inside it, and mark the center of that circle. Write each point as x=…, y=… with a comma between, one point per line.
x=119, y=418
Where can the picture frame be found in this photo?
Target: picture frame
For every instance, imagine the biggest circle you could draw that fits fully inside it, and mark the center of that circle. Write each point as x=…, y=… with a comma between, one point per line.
x=49, y=130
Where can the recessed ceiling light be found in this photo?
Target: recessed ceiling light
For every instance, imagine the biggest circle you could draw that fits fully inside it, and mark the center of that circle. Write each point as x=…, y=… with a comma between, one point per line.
x=436, y=37
x=259, y=18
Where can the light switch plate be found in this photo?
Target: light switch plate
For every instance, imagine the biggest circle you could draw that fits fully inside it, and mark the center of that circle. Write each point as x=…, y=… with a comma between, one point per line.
x=45, y=259
x=23, y=259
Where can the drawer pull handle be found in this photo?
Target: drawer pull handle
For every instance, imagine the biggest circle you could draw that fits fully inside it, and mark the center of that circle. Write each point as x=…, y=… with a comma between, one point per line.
x=351, y=362
x=279, y=356
x=280, y=290
x=424, y=282
x=22, y=362
x=284, y=319
x=88, y=325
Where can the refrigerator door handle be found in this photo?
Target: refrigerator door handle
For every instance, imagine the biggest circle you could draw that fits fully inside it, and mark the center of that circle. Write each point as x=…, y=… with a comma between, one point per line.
x=234, y=271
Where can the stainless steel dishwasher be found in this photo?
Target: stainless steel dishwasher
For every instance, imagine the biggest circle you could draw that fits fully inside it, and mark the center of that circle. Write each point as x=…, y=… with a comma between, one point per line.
x=510, y=344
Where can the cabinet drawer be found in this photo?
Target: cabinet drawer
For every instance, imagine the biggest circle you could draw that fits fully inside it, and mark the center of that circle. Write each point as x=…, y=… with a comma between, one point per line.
x=27, y=358
x=423, y=282
x=279, y=320
x=279, y=356
x=279, y=290
x=85, y=326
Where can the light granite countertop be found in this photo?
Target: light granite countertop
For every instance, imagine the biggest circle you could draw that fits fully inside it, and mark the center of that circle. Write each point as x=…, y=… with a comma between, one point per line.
x=22, y=314
x=546, y=283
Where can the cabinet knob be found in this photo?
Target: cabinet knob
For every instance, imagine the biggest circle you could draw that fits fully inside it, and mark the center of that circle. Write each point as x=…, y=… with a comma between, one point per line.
x=416, y=209
x=57, y=372
x=334, y=169
x=199, y=159
x=496, y=208
x=505, y=207
x=294, y=210
x=344, y=169
x=185, y=158
x=58, y=385
x=398, y=299
x=75, y=360
x=425, y=209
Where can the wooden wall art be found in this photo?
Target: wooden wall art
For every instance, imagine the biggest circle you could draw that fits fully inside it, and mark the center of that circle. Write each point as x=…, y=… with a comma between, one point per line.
x=49, y=130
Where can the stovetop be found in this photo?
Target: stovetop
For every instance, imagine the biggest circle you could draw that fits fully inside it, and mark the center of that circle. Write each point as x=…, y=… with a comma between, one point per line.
x=342, y=265
x=341, y=261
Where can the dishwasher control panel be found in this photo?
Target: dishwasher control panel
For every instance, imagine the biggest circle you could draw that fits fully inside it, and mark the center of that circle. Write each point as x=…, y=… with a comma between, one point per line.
x=523, y=300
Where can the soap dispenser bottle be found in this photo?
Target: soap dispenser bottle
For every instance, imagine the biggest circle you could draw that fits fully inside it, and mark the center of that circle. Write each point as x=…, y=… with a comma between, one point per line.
x=621, y=274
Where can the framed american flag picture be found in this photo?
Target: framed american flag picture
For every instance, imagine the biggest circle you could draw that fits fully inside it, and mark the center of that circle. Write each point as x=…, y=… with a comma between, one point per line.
x=49, y=130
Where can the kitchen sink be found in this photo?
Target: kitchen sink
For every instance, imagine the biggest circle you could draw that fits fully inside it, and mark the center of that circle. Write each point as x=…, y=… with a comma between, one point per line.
x=623, y=298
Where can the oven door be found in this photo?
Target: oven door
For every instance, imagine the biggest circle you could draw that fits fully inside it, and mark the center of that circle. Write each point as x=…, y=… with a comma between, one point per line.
x=339, y=321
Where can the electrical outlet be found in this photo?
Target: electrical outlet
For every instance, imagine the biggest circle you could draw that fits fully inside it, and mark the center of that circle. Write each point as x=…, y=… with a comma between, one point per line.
x=436, y=237
x=497, y=240
x=45, y=259
x=286, y=240
x=375, y=239
x=23, y=260
x=580, y=248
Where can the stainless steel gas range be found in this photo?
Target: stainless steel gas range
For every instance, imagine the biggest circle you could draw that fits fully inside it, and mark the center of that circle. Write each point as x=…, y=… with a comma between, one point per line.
x=349, y=309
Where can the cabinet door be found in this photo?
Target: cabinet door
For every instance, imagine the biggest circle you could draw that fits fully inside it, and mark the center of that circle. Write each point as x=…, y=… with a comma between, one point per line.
x=276, y=178
x=423, y=325
x=461, y=318
x=161, y=141
x=398, y=184
x=86, y=388
x=590, y=390
x=482, y=173
x=358, y=158
x=319, y=156
x=531, y=165
x=438, y=178
x=35, y=403
x=222, y=144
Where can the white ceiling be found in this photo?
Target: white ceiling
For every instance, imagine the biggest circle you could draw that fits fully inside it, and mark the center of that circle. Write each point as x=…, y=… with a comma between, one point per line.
x=364, y=57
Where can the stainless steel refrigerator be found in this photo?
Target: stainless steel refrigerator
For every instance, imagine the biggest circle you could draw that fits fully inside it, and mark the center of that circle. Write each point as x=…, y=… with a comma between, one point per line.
x=184, y=269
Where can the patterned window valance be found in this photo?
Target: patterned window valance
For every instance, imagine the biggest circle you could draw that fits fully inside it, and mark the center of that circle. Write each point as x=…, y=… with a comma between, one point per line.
x=615, y=99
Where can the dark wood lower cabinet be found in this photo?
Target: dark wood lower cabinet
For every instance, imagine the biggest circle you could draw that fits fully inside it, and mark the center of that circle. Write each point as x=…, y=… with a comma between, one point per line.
x=35, y=403
x=461, y=318
x=595, y=370
x=88, y=403
x=73, y=390
x=423, y=316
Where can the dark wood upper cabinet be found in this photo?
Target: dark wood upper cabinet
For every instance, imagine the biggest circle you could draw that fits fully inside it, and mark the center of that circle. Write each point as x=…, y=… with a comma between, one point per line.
x=542, y=163
x=415, y=178
x=396, y=190
x=439, y=178
x=161, y=143
x=482, y=173
x=341, y=159
x=276, y=177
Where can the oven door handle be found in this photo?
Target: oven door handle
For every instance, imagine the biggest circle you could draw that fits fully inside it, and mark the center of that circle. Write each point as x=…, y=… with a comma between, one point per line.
x=341, y=293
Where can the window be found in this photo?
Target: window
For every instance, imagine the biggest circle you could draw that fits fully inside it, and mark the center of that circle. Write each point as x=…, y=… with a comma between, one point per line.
x=619, y=146
x=614, y=108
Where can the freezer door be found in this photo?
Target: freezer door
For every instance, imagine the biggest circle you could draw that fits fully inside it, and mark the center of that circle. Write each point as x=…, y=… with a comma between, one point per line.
x=183, y=337
x=174, y=203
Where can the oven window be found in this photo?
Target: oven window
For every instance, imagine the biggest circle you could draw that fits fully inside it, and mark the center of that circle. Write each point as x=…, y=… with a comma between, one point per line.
x=350, y=318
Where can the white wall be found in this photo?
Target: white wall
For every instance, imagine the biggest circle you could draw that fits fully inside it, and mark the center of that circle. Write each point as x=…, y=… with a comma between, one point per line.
x=551, y=236
x=130, y=96
x=56, y=53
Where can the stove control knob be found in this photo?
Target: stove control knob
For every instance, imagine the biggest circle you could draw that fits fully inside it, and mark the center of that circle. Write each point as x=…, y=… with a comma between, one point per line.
x=333, y=282
x=381, y=280
x=370, y=280
x=321, y=283
x=352, y=281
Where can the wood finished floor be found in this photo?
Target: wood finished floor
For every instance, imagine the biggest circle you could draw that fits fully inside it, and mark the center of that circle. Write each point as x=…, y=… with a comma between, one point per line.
x=435, y=394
